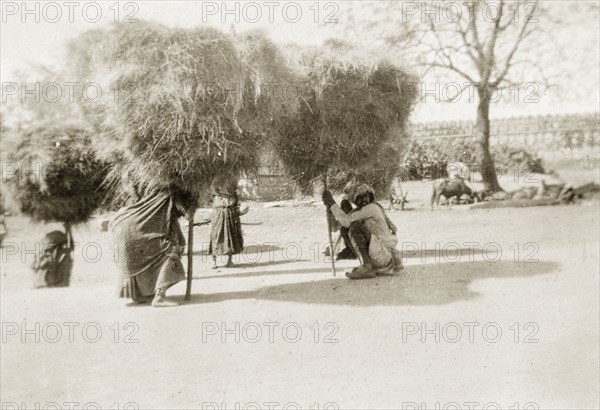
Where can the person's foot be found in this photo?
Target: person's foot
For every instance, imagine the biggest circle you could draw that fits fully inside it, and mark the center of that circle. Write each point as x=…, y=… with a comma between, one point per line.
x=160, y=300
x=398, y=268
x=229, y=263
x=386, y=270
x=362, y=272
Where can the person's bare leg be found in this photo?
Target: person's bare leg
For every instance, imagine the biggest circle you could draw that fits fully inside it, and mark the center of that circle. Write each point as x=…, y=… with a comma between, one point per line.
x=360, y=238
x=214, y=259
x=229, y=263
x=397, y=261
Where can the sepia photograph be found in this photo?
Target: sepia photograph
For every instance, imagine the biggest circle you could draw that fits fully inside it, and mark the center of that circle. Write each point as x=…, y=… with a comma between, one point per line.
x=300, y=205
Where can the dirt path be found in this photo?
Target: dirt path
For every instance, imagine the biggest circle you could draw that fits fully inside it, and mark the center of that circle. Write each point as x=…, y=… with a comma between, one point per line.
x=303, y=337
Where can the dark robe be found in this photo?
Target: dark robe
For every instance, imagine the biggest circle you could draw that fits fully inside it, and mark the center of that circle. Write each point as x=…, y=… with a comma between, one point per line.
x=150, y=243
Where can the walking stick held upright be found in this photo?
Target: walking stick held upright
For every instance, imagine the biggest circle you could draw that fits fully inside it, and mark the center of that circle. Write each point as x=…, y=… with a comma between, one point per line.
x=327, y=212
x=190, y=256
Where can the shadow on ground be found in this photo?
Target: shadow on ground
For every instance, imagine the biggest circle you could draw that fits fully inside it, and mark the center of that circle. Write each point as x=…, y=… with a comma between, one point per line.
x=446, y=253
x=249, y=249
x=426, y=284
x=248, y=274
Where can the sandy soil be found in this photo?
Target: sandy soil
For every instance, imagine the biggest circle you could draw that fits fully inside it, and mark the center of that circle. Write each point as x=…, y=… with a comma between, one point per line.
x=305, y=339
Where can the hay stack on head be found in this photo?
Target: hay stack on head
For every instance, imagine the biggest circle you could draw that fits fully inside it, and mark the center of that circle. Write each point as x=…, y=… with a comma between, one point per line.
x=58, y=178
x=352, y=105
x=194, y=101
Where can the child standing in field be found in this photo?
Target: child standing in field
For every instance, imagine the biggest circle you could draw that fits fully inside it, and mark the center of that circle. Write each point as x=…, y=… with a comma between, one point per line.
x=226, y=234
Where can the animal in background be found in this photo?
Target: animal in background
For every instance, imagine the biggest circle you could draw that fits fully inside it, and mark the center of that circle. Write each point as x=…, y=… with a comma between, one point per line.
x=451, y=188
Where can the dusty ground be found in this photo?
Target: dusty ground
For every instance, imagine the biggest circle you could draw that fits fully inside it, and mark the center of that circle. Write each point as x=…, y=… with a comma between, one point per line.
x=429, y=337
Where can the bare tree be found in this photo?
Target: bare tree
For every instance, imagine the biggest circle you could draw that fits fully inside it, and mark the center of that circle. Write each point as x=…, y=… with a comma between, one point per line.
x=479, y=41
x=490, y=52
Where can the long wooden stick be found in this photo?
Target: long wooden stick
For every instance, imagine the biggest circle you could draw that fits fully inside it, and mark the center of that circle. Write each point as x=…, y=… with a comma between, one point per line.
x=190, y=257
x=327, y=212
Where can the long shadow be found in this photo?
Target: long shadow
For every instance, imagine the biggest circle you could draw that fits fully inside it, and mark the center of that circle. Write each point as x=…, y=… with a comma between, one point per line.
x=248, y=250
x=448, y=254
x=260, y=273
x=427, y=284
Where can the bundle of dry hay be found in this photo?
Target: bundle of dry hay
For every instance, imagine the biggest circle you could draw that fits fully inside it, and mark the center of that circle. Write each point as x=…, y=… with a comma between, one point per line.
x=353, y=106
x=194, y=105
x=57, y=176
x=378, y=174
x=269, y=82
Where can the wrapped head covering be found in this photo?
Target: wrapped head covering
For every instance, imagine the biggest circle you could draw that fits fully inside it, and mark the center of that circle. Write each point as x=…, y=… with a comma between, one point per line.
x=361, y=190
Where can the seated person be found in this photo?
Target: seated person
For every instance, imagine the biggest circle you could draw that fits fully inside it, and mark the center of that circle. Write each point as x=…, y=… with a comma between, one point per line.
x=371, y=233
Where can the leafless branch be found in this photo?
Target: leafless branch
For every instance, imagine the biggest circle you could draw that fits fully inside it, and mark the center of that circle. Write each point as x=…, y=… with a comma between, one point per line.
x=455, y=69
x=521, y=36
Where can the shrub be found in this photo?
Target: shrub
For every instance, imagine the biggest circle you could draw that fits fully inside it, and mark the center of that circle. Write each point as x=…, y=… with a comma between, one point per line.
x=428, y=158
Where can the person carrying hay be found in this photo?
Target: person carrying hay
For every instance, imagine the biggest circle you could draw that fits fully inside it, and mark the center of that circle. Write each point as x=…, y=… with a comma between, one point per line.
x=226, y=233
x=53, y=264
x=150, y=245
x=372, y=234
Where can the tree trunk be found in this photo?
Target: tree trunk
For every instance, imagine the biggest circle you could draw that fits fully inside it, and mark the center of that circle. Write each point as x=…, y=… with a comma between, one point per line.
x=482, y=143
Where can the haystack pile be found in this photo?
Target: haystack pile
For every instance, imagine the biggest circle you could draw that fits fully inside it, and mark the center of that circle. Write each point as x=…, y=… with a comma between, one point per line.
x=269, y=82
x=352, y=114
x=58, y=177
x=196, y=103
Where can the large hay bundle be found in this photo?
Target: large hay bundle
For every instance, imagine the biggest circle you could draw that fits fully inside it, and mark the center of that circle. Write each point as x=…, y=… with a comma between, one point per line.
x=57, y=177
x=195, y=102
x=352, y=107
x=378, y=174
x=269, y=83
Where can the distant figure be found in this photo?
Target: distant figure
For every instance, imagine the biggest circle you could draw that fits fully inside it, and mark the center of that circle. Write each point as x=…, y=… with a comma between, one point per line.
x=54, y=262
x=458, y=169
x=372, y=234
x=397, y=195
x=150, y=244
x=248, y=188
x=226, y=234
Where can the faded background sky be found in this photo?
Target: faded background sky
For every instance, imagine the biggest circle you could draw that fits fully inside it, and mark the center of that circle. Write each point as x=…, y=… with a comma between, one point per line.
x=28, y=43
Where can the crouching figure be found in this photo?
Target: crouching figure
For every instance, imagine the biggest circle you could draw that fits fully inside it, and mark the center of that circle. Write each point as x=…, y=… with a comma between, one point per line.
x=372, y=234
x=54, y=262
